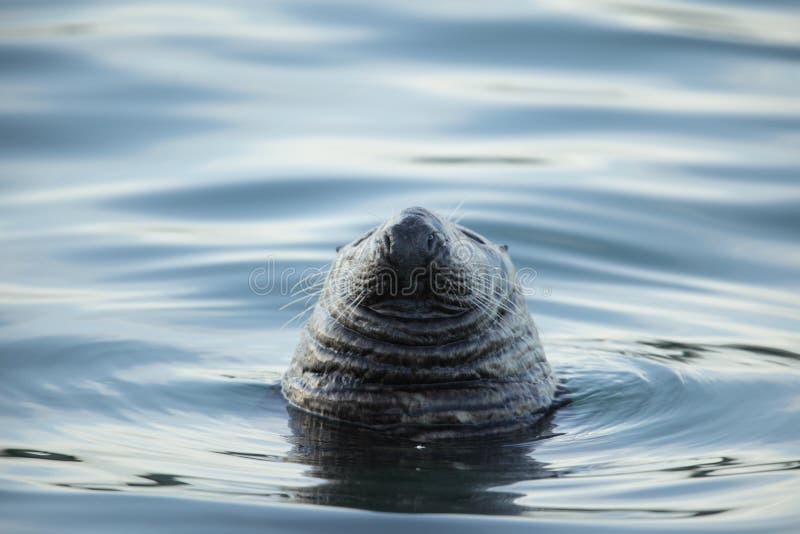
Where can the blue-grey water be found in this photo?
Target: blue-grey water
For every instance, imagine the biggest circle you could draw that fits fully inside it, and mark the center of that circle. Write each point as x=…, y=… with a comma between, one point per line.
x=161, y=162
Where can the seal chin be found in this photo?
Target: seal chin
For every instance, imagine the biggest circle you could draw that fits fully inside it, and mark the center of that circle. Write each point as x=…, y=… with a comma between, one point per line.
x=409, y=308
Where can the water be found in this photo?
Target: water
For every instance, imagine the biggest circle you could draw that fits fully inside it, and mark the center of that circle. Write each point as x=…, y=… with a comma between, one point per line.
x=158, y=158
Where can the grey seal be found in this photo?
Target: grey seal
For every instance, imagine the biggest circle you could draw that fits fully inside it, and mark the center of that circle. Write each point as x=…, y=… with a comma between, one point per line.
x=421, y=329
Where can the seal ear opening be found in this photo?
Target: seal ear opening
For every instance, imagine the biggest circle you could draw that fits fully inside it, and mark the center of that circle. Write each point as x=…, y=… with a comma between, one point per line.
x=504, y=248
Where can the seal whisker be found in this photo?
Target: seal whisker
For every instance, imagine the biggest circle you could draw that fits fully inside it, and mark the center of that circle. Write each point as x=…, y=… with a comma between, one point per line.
x=490, y=281
x=305, y=290
x=309, y=282
x=298, y=315
x=350, y=307
x=451, y=216
x=298, y=299
x=323, y=271
x=496, y=320
x=502, y=302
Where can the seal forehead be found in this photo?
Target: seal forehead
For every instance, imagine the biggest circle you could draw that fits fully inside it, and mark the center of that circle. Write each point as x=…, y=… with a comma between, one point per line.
x=414, y=218
x=420, y=212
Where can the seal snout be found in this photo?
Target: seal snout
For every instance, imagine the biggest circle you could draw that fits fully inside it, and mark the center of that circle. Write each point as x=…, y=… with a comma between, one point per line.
x=411, y=241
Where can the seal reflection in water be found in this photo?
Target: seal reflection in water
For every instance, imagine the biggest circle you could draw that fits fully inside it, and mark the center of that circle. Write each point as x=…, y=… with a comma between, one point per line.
x=361, y=468
x=421, y=329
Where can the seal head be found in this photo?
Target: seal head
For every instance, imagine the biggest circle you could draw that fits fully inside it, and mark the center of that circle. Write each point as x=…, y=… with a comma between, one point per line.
x=422, y=329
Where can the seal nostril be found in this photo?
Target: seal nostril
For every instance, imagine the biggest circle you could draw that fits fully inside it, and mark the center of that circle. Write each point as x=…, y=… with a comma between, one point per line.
x=387, y=242
x=435, y=240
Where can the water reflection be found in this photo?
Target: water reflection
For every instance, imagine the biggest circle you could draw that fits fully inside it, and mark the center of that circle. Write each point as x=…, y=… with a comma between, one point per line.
x=484, y=160
x=363, y=469
x=673, y=351
x=727, y=466
x=154, y=480
x=37, y=455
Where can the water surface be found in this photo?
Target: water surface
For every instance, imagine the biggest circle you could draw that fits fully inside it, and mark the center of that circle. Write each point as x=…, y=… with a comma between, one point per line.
x=160, y=160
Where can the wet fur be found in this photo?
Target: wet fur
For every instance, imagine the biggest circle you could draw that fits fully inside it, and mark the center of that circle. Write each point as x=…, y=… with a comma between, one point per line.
x=456, y=353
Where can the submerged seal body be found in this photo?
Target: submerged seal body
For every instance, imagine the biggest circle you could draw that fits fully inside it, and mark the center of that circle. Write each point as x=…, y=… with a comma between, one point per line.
x=422, y=329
